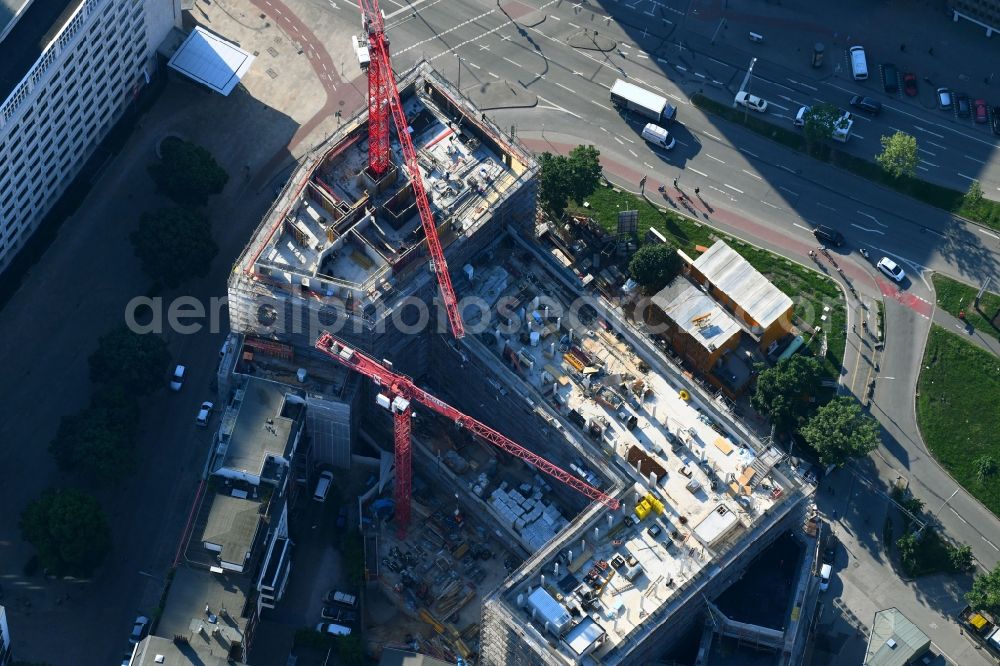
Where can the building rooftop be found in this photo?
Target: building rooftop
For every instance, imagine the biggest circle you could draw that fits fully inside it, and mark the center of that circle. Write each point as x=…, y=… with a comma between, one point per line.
x=894, y=640
x=212, y=636
x=212, y=61
x=697, y=314
x=749, y=290
x=351, y=239
x=393, y=657
x=24, y=38
x=258, y=430
x=231, y=527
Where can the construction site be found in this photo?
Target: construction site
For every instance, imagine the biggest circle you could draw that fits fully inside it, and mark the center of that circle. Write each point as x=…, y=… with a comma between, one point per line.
x=549, y=487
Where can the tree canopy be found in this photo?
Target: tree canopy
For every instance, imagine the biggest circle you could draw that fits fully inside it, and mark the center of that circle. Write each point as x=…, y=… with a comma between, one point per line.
x=174, y=244
x=840, y=431
x=899, y=154
x=820, y=121
x=785, y=391
x=187, y=173
x=98, y=443
x=68, y=530
x=985, y=592
x=136, y=362
x=655, y=265
x=568, y=177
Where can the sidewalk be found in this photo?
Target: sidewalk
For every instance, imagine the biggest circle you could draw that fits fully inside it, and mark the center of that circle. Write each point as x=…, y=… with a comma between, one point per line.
x=956, y=325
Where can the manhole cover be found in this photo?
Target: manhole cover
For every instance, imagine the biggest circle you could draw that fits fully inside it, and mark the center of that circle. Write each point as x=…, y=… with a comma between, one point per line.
x=341, y=102
x=273, y=74
x=277, y=40
x=273, y=51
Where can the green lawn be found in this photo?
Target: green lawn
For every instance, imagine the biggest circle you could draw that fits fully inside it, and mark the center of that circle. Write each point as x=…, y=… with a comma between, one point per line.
x=810, y=290
x=953, y=296
x=957, y=406
x=987, y=212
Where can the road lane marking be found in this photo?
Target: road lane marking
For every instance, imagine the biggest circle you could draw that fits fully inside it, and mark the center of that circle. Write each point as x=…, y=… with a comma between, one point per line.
x=973, y=159
x=796, y=224
x=493, y=75
x=600, y=105
x=769, y=204
x=711, y=136
x=786, y=168
x=649, y=165
x=823, y=205
x=734, y=189
x=799, y=83
x=554, y=17
x=931, y=164
x=937, y=145
x=964, y=176
x=619, y=141
x=858, y=135
x=712, y=157
x=705, y=175
x=633, y=152
x=923, y=129
x=874, y=231
x=873, y=219
x=512, y=62
x=988, y=233
x=783, y=108
x=472, y=64
x=751, y=174
x=922, y=168
x=927, y=152
x=782, y=187
x=558, y=108
x=564, y=87
x=749, y=153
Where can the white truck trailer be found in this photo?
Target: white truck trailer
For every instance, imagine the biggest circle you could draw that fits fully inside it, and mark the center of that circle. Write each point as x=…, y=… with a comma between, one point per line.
x=648, y=104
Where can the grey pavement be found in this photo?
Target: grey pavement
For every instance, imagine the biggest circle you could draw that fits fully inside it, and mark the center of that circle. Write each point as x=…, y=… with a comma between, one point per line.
x=969, y=332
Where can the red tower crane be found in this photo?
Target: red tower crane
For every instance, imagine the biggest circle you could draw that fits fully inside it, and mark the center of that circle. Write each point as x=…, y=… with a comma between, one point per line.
x=383, y=100
x=400, y=391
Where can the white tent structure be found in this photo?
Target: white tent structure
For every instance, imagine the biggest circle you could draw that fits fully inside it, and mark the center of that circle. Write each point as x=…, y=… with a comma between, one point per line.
x=211, y=61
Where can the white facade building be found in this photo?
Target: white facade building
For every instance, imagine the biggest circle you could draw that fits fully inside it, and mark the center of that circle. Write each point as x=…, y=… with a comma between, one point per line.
x=6, y=655
x=69, y=69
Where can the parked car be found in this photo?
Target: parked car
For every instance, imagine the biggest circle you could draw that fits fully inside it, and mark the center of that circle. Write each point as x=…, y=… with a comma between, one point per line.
x=800, y=117
x=828, y=235
x=979, y=112
x=829, y=548
x=964, y=107
x=996, y=119
x=323, y=485
x=944, y=98
x=890, y=78
x=866, y=104
x=338, y=598
x=204, y=414
x=824, y=577
x=178, y=378
x=910, y=84
x=891, y=268
x=139, y=629
x=338, y=615
x=334, y=629
x=744, y=98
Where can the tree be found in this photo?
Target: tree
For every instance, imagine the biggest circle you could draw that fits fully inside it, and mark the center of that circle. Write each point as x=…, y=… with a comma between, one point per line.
x=908, y=550
x=839, y=431
x=350, y=649
x=961, y=558
x=974, y=196
x=985, y=466
x=785, y=391
x=98, y=442
x=135, y=362
x=985, y=592
x=187, y=173
x=654, y=265
x=174, y=244
x=68, y=529
x=564, y=178
x=899, y=155
x=819, y=122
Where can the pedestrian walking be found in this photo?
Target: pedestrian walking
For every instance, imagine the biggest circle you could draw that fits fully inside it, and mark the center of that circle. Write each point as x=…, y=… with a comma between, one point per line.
x=675, y=184
x=697, y=190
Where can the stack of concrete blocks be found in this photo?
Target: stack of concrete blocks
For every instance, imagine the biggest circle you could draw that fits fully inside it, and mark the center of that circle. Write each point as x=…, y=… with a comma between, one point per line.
x=479, y=485
x=523, y=509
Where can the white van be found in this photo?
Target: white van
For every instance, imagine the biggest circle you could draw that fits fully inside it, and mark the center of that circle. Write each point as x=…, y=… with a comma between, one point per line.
x=333, y=629
x=323, y=486
x=824, y=577
x=658, y=136
x=859, y=65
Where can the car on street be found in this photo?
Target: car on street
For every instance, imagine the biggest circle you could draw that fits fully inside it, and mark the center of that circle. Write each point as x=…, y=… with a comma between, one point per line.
x=204, y=414
x=824, y=577
x=910, y=84
x=177, y=380
x=828, y=235
x=829, y=549
x=338, y=615
x=963, y=105
x=979, y=112
x=866, y=104
x=944, y=98
x=890, y=78
x=996, y=119
x=744, y=98
x=891, y=268
x=800, y=117
x=139, y=629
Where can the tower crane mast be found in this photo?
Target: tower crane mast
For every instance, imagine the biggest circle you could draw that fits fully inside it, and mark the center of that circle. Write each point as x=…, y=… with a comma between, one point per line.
x=402, y=392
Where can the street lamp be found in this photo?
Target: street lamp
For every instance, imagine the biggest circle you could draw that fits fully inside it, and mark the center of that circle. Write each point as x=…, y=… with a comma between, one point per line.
x=745, y=87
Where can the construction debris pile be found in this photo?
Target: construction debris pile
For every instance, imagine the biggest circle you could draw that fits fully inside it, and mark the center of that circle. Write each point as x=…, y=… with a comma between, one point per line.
x=524, y=510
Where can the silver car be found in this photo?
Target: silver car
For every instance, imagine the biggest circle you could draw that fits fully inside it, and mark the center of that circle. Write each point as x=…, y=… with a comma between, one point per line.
x=891, y=268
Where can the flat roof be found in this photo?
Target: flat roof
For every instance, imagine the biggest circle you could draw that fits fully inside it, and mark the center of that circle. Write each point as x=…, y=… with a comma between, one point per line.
x=184, y=613
x=26, y=38
x=733, y=275
x=394, y=657
x=211, y=61
x=232, y=524
x=894, y=640
x=716, y=525
x=159, y=651
x=583, y=635
x=254, y=429
x=697, y=314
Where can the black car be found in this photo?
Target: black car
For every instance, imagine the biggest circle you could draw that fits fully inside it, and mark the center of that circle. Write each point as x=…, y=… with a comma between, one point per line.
x=339, y=615
x=963, y=105
x=866, y=104
x=890, y=78
x=995, y=119
x=654, y=531
x=828, y=236
x=829, y=549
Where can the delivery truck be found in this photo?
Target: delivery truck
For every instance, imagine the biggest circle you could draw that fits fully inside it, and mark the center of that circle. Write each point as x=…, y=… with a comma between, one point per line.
x=648, y=104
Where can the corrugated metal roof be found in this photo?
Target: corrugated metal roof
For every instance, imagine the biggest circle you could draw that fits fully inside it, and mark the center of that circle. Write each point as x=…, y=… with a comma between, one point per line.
x=907, y=640
x=699, y=316
x=751, y=291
